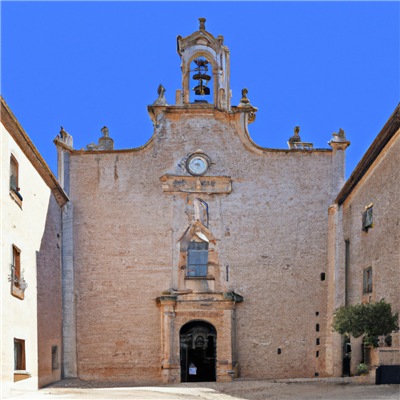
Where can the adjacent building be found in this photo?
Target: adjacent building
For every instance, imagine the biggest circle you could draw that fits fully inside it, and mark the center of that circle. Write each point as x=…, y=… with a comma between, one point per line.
x=364, y=243
x=31, y=203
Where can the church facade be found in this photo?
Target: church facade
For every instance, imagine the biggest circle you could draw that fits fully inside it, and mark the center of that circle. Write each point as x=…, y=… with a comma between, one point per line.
x=199, y=249
x=199, y=256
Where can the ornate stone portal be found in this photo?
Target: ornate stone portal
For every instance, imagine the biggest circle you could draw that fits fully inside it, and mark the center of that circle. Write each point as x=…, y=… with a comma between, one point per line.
x=198, y=309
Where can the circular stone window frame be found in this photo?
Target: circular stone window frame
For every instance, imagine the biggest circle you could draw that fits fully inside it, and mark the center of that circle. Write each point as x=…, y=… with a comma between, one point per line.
x=201, y=155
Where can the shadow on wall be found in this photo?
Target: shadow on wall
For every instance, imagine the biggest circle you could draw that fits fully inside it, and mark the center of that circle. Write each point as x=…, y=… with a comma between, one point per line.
x=49, y=297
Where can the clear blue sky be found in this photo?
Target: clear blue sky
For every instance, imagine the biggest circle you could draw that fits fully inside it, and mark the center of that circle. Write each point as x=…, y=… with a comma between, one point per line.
x=83, y=65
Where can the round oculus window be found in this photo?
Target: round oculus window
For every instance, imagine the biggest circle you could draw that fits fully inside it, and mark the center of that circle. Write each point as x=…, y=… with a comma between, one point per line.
x=197, y=164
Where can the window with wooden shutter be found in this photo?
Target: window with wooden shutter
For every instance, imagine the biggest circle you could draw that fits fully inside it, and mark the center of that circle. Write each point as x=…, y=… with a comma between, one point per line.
x=197, y=259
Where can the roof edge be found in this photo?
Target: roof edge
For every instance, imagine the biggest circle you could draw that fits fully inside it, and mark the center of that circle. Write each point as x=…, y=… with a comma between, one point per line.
x=385, y=135
x=15, y=129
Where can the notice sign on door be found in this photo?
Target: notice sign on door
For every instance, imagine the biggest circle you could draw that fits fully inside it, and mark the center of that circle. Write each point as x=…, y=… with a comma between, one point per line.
x=192, y=370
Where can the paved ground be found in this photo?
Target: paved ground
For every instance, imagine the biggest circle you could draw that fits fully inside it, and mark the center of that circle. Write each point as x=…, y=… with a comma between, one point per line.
x=335, y=389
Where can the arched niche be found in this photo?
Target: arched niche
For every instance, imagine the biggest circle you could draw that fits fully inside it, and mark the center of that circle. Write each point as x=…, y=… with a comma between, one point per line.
x=210, y=56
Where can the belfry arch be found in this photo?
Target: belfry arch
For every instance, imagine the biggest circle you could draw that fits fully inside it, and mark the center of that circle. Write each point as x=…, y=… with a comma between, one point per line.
x=198, y=352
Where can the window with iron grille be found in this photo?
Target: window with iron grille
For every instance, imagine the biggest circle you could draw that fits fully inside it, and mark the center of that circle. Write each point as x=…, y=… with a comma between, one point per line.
x=197, y=259
x=367, y=218
x=367, y=286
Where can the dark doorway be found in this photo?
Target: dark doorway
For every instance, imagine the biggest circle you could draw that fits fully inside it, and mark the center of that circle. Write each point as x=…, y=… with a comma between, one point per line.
x=198, y=343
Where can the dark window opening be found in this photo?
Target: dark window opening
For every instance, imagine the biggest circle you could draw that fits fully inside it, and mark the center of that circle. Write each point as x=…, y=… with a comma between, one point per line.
x=317, y=327
x=316, y=374
x=197, y=259
x=367, y=281
x=317, y=354
x=317, y=341
x=54, y=357
x=19, y=354
x=322, y=276
x=279, y=351
x=317, y=313
x=227, y=273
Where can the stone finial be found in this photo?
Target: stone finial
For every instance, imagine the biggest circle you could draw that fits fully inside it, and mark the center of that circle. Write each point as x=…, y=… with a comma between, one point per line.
x=161, y=101
x=339, y=138
x=244, y=96
x=202, y=24
x=296, y=137
x=244, y=101
x=296, y=143
x=104, y=130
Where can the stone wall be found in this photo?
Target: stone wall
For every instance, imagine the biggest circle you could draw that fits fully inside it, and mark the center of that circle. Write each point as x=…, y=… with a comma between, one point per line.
x=49, y=306
x=271, y=231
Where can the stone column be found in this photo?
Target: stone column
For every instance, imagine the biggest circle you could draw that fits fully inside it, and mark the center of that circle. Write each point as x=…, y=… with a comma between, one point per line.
x=336, y=289
x=69, y=313
x=339, y=145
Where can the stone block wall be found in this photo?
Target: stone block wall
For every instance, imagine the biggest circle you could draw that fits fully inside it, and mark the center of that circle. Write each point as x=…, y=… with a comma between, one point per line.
x=271, y=231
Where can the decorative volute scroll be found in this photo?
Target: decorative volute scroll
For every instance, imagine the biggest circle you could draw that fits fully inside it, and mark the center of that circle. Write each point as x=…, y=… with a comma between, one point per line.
x=203, y=44
x=64, y=138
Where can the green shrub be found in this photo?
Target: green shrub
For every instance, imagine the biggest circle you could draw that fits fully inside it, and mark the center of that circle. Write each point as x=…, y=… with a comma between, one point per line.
x=388, y=340
x=362, y=369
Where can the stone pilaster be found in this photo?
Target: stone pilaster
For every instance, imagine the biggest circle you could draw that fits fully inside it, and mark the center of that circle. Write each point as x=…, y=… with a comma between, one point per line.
x=69, y=307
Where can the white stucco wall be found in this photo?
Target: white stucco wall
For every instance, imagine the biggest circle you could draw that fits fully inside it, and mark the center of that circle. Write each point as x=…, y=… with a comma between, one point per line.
x=24, y=228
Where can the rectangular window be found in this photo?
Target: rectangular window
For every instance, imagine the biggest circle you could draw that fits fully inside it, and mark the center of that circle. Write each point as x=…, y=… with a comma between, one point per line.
x=197, y=259
x=367, y=218
x=14, y=180
x=367, y=285
x=19, y=354
x=54, y=357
